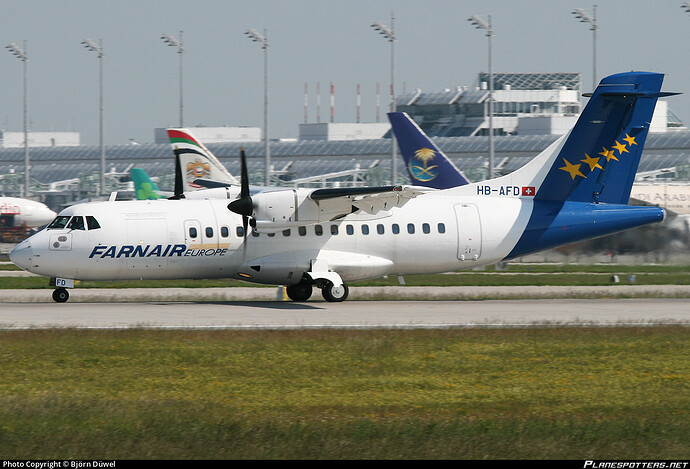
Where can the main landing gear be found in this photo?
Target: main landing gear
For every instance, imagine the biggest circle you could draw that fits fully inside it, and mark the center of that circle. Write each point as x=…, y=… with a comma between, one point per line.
x=302, y=291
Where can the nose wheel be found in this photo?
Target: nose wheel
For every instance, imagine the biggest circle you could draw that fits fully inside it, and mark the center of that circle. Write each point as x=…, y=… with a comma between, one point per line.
x=60, y=295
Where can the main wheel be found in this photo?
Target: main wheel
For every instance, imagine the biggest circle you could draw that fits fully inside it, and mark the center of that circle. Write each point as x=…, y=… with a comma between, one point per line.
x=299, y=292
x=335, y=294
x=60, y=295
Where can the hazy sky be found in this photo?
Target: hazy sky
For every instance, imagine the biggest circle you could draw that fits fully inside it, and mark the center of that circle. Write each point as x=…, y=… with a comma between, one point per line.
x=311, y=41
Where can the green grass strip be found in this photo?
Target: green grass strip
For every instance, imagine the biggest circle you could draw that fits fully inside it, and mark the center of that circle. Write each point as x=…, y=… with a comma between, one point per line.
x=556, y=393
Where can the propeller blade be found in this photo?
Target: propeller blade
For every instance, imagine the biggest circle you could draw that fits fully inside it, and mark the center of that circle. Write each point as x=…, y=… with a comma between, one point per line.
x=244, y=188
x=243, y=205
x=179, y=185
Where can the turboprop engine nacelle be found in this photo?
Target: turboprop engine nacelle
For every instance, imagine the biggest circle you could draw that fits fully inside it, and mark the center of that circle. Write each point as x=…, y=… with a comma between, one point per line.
x=281, y=209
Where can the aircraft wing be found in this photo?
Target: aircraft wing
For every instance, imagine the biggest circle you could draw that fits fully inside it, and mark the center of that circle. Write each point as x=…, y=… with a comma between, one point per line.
x=370, y=199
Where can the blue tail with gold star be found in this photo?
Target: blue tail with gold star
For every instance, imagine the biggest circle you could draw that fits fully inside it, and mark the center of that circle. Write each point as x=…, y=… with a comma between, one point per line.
x=582, y=183
x=600, y=156
x=426, y=164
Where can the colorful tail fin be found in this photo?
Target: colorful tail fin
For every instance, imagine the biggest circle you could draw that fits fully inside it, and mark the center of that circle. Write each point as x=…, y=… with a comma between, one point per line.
x=597, y=160
x=426, y=164
x=144, y=187
x=196, y=161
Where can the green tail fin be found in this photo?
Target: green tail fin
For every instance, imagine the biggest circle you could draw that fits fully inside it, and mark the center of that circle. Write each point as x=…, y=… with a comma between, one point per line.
x=144, y=187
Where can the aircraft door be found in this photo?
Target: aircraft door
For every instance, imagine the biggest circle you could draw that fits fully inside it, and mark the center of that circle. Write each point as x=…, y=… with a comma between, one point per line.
x=469, y=232
x=192, y=234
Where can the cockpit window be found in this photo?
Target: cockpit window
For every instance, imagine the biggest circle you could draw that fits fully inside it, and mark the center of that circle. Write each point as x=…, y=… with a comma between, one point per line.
x=92, y=223
x=76, y=223
x=59, y=222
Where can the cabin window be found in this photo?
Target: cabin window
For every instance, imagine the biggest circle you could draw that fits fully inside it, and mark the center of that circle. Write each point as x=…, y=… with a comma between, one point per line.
x=395, y=228
x=302, y=230
x=286, y=233
x=410, y=228
x=334, y=230
x=379, y=229
x=365, y=229
x=441, y=228
x=239, y=231
x=92, y=223
x=209, y=232
x=59, y=222
x=350, y=229
x=76, y=223
x=318, y=230
x=224, y=232
x=192, y=232
x=426, y=228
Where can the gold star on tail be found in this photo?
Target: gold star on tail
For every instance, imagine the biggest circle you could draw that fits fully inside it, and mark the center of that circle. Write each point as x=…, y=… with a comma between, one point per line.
x=592, y=162
x=620, y=147
x=630, y=140
x=608, y=154
x=572, y=169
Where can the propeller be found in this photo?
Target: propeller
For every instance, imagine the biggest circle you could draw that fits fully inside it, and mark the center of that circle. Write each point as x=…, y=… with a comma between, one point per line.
x=179, y=185
x=243, y=205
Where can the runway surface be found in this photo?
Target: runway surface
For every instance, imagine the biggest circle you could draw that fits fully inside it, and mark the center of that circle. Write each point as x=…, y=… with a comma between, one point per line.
x=276, y=314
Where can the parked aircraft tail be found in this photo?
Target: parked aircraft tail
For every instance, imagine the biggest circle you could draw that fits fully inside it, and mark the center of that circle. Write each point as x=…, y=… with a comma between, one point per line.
x=196, y=161
x=144, y=187
x=426, y=164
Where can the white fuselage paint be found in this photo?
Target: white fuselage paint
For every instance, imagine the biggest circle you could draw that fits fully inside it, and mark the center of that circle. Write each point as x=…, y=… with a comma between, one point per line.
x=151, y=239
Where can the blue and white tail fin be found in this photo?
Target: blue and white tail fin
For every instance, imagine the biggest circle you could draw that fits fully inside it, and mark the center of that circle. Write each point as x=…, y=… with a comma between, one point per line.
x=196, y=161
x=426, y=164
x=597, y=160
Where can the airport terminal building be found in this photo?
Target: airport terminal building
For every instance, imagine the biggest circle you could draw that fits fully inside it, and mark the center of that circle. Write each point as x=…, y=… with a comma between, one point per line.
x=530, y=112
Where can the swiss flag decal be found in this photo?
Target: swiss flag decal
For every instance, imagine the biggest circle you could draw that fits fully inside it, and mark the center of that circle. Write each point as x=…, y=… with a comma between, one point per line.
x=528, y=190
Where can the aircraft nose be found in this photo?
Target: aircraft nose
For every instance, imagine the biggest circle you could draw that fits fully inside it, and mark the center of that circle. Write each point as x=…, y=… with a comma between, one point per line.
x=22, y=255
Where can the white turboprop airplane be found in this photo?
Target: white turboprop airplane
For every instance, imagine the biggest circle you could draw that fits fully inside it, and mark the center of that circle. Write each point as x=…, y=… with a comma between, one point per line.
x=18, y=212
x=576, y=189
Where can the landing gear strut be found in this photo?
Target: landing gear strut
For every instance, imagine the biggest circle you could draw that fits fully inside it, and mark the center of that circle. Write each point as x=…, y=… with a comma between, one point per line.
x=60, y=295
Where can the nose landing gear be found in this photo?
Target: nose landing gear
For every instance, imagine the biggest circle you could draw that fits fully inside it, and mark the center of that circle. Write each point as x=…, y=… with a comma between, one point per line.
x=60, y=295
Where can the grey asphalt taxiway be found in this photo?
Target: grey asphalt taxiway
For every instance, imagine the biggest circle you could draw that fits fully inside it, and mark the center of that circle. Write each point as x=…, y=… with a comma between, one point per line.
x=263, y=308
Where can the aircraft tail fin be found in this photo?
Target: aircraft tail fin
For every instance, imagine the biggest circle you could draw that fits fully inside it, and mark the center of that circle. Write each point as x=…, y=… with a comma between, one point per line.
x=144, y=187
x=426, y=164
x=597, y=160
x=196, y=161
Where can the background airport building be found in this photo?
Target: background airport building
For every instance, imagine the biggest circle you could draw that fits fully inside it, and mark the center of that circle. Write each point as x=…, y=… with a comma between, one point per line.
x=531, y=110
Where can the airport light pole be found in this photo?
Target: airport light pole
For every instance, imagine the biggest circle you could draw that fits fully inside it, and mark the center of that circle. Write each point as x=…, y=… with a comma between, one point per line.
x=98, y=49
x=585, y=17
x=389, y=35
x=255, y=36
x=20, y=53
x=479, y=23
x=172, y=42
